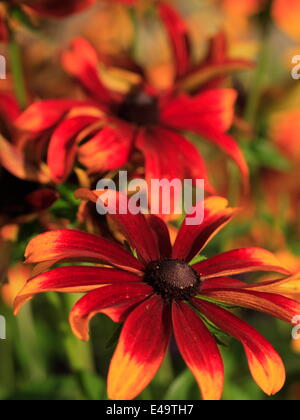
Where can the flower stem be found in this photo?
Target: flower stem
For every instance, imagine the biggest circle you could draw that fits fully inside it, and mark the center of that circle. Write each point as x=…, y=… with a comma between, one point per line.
x=261, y=71
x=16, y=66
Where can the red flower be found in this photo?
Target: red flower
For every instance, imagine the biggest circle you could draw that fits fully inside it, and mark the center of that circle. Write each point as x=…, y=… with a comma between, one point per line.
x=112, y=124
x=161, y=292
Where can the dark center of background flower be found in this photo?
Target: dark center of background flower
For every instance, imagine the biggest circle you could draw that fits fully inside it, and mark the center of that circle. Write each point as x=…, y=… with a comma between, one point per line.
x=139, y=108
x=172, y=279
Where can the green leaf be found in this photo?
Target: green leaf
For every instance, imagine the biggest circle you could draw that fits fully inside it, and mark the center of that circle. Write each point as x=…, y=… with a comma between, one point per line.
x=181, y=387
x=198, y=259
x=262, y=153
x=114, y=338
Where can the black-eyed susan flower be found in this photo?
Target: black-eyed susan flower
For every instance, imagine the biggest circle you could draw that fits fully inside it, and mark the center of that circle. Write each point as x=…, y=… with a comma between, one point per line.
x=122, y=114
x=157, y=291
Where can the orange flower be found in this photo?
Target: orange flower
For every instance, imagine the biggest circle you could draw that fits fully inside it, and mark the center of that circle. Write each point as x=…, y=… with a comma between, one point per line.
x=281, y=188
x=286, y=14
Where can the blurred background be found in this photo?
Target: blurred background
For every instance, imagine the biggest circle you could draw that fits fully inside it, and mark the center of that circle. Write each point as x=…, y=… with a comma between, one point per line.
x=253, y=44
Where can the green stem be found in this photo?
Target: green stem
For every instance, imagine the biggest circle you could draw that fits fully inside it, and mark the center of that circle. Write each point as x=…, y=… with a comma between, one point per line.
x=16, y=66
x=261, y=70
x=31, y=356
x=257, y=86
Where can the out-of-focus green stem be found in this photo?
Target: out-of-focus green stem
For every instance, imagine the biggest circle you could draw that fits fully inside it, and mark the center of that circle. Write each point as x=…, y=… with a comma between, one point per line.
x=30, y=356
x=262, y=67
x=257, y=85
x=16, y=67
x=165, y=375
x=79, y=353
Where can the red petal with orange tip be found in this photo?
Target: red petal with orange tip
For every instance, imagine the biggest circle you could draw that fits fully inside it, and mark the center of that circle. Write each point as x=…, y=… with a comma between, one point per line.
x=108, y=150
x=275, y=305
x=74, y=245
x=264, y=362
x=192, y=239
x=240, y=261
x=43, y=115
x=82, y=62
x=71, y=280
x=141, y=349
x=63, y=146
x=134, y=227
x=115, y=301
x=177, y=31
x=199, y=351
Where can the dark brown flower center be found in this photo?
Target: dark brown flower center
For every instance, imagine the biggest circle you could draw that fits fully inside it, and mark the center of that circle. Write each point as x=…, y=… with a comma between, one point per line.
x=172, y=279
x=139, y=108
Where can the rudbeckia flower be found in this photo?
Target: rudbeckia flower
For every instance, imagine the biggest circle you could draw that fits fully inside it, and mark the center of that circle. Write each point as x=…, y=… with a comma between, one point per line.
x=173, y=38
x=160, y=291
x=122, y=114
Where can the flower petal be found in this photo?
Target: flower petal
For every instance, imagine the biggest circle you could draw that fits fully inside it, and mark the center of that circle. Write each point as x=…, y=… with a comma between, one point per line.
x=13, y=160
x=199, y=351
x=115, y=301
x=192, y=239
x=286, y=15
x=9, y=106
x=108, y=150
x=170, y=156
x=221, y=283
x=141, y=349
x=275, y=305
x=71, y=280
x=288, y=286
x=240, y=261
x=264, y=362
x=43, y=115
x=212, y=108
x=71, y=244
x=134, y=227
x=82, y=62
x=177, y=31
x=63, y=146
x=210, y=115
x=162, y=235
